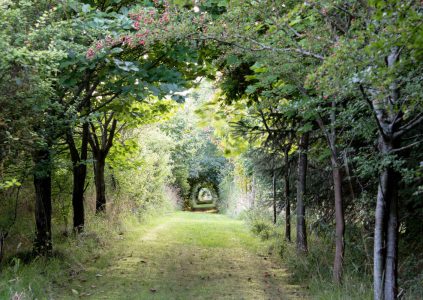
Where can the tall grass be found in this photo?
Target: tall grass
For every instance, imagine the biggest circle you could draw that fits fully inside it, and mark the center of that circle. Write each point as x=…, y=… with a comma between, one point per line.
x=313, y=271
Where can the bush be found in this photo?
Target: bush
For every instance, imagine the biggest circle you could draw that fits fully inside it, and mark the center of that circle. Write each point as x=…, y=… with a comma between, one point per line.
x=260, y=222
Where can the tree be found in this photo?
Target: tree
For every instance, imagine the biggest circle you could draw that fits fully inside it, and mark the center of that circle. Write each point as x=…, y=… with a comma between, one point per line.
x=382, y=56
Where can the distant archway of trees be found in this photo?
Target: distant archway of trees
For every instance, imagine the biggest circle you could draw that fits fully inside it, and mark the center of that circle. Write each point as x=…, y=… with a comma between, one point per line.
x=204, y=195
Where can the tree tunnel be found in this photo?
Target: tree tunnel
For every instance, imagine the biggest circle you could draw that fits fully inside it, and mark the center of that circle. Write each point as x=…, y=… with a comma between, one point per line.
x=204, y=196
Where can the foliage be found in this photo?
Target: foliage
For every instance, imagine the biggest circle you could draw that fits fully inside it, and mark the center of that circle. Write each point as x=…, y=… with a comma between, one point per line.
x=142, y=179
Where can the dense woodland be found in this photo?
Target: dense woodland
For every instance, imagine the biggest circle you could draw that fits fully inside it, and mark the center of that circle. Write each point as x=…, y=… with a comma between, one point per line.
x=304, y=118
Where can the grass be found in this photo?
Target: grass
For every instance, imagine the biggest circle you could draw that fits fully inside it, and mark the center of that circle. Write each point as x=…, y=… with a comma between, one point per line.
x=178, y=256
x=314, y=270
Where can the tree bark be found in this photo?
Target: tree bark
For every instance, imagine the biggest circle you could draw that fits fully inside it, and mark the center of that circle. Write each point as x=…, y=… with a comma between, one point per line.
x=340, y=223
x=331, y=138
x=385, y=251
x=100, y=147
x=42, y=184
x=79, y=171
x=100, y=184
x=391, y=264
x=274, y=191
x=287, y=200
x=386, y=231
x=301, y=190
x=253, y=192
x=2, y=238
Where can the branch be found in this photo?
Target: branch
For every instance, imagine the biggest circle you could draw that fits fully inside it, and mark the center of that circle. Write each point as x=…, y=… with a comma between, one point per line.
x=263, y=47
x=93, y=139
x=410, y=125
x=406, y=147
x=111, y=136
x=327, y=136
x=104, y=104
x=72, y=147
x=363, y=92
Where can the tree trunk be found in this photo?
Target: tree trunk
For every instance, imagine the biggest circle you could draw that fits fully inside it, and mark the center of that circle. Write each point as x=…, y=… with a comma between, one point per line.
x=340, y=222
x=253, y=192
x=331, y=137
x=42, y=184
x=301, y=189
x=100, y=147
x=391, y=263
x=113, y=180
x=385, y=250
x=79, y=176
x=100, y=185
x=2, y=238
x=386, y=217
x=274, y=192
x=287, y=200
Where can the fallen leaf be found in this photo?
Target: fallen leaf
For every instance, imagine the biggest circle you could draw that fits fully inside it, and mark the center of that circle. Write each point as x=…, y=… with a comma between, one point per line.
x=98, y=275
x=75, y=292
x=153, y=290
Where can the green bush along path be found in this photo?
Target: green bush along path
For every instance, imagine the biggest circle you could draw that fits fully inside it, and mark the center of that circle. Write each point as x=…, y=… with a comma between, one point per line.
x=183, y=256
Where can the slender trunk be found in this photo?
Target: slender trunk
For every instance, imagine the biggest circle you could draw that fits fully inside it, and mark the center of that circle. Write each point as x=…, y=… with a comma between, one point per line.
x=340, y=223
x=100, y=185
x=331, y=137
x=391, y=262
x=253, y=191
x=42, y=184
x=287, y=200
x=79, y=176
x=386, y=232
x=386, y=223
x=100, y=147
x=274, y=192
x=113, y=180
x=2, y=238
x=301, y=189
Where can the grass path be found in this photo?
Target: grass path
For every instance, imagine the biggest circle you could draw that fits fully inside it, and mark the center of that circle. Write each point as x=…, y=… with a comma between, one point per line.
x=182, y=256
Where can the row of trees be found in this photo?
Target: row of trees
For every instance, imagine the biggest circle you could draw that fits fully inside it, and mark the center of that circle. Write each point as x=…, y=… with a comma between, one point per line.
x=340, y=82
x=75, y=74
x=318, y=84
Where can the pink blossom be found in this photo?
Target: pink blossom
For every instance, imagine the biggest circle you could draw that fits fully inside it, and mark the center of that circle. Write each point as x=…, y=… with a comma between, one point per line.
x=109, y=41
x=126, y=40
x=99, y=45
x=90, y=53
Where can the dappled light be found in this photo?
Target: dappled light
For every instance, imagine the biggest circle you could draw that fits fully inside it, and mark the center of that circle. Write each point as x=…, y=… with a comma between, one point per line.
x=211, y=149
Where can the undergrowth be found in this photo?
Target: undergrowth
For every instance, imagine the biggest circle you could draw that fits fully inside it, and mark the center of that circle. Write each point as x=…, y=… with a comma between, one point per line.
x=23, y=276
x=314, y=270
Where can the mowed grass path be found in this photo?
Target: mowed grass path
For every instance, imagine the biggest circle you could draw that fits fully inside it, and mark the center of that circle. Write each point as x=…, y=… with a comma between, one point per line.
x=182, y=256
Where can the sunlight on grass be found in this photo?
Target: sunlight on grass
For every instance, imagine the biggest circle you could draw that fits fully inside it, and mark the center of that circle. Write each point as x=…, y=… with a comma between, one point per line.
x=178, y=256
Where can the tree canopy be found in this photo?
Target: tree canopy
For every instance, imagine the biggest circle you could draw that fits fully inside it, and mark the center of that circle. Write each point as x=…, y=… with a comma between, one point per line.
x=307, y=115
